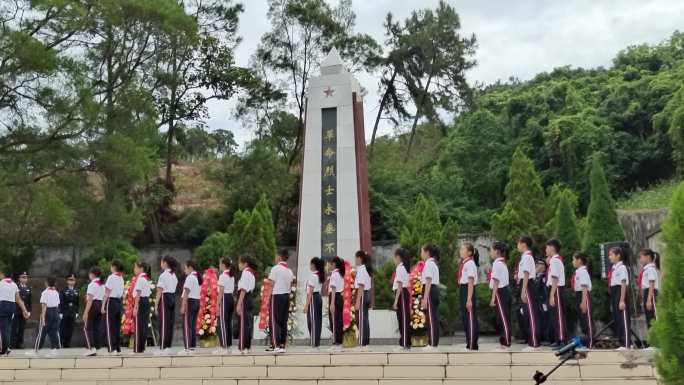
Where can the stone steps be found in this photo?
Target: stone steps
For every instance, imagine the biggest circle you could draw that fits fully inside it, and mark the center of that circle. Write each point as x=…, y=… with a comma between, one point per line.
x=633, y=368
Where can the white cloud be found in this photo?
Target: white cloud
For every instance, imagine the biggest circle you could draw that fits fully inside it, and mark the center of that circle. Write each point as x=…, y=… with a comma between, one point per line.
x=516, y=38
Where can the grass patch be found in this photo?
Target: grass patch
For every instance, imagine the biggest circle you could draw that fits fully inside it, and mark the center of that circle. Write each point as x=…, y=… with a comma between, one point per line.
x=656, y=197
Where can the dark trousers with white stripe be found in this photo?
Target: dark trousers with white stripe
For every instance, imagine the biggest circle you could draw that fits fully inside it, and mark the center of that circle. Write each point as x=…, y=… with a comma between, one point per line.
x=469, y=318
x=314, y=319
x=6, y=312
x=432, y=316
x=621, y=318
x=558, y=333
x=586, y=320
x=142, y=321
x=113, y=324
x=49, y=328
x=167, y=307
x=93, y=328
x=650, y=314
x=336, y=318
x=502, y=300
x=404, y=318
x=246, y=323
x=190, y=324
x=226, y=320
x=280, y=306
x=530, y=317
x=362, y=318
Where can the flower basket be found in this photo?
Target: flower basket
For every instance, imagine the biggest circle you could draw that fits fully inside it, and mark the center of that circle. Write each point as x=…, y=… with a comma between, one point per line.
x=210, y=341
x=417, y=319
x=208, y=307
x=419, y=341
x=349, y=338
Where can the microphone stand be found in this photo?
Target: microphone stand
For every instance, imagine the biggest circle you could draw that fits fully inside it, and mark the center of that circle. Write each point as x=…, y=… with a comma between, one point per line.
x=540, y=377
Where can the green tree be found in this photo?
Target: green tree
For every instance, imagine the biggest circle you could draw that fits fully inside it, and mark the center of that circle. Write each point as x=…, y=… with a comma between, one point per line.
x=382, y=284
x=422, y=225
x=210, y=252
x=524, y=211
x=252, y=233
x=667, y=328
x=565, y=229
x=107, y=251
x=602, y=220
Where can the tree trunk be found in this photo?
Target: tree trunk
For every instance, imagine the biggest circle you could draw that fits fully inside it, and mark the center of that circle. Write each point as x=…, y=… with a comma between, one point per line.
x=382, y=106
x=415, y=119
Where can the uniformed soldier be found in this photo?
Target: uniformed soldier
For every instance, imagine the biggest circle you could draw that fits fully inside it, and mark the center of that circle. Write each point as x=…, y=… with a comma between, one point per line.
x=68, y=309
x=18, y=321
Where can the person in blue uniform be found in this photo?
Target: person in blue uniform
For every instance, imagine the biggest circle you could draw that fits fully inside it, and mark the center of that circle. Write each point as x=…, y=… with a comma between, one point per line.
x=68, y=310
x=19, y=322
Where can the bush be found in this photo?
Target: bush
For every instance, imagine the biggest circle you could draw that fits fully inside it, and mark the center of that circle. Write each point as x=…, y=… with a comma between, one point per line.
x=382, y=282
x=215, y=247
x=667, y=330
x=105, y=252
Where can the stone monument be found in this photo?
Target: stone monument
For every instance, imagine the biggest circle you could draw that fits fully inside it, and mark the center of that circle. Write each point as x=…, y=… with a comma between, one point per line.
x=334, y=218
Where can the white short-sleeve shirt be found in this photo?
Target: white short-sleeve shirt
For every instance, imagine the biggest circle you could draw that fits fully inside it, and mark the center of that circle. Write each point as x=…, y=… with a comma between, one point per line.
x=619, y=274
x=363, y=278
x=401, y=275
x=500, y=273
x=526, y=265
x=556, y=270
x=314, y=282
x=336, y=281
x=227, y=281
x=582, y=278
x=282, y=277
x=468, y=270
x=50, y=297
x=96, y=289
x=142, y=286
x=115, y=284
x=650, y=274
x=8, y=290
x=168, y=281
x=247, y=281
x=431, y=270
x=192, y=284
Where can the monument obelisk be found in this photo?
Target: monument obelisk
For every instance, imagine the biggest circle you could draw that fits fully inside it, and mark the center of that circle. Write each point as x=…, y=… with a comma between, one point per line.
x=334, y=218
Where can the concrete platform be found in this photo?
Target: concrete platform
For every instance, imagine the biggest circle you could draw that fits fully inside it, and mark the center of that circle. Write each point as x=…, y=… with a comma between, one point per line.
x=379, y=366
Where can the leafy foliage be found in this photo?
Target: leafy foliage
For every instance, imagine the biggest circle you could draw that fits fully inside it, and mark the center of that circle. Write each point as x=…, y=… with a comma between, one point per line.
x=670, y=357
x=210, y=252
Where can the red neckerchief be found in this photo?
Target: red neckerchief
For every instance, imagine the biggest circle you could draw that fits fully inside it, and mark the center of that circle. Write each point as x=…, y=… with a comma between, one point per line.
x=7, y=279
x=194, y=273
x=118, y=273
x=641, y=274
x=98, y=281
x=227, y=272
x=142, y=275
x=249, y=269
x=51, y=288
x=460, y=269
x=283, y=264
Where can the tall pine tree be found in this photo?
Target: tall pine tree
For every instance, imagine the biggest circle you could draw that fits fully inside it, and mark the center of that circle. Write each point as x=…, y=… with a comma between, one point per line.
x=667, y=330
x=565, y=227
x=524, y=211
x=602, y=220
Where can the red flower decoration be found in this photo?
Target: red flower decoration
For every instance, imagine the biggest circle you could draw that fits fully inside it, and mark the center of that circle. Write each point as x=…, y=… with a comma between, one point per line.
x=266, y=288
x=128, y=322
x=415, y=272
x=206, y=317
x=347, y=294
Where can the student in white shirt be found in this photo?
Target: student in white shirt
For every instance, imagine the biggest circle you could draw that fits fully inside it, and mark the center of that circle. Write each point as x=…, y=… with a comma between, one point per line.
x=363, y=284
x=245, y=303
x=281, y=277
x=314, y=301
x=141, y=293
x=556, y=283
x=336, y=302
x=190, y=306
x=581, y=283
x=226, y=305
x=9, y=300
x=649, y=282
x=529, y=307
x=166, y=302
x=430, y=303
x=48, y=324
x=402, y=298
x=92, y=314
x=501, y=293
x=467, y=279
x=618, y=280
x=112, y=308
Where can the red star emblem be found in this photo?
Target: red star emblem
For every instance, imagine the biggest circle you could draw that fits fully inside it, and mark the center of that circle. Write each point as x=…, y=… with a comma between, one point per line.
x=328, y=92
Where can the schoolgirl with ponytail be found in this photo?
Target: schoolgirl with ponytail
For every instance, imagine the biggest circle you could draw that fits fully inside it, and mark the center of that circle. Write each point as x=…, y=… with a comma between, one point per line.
x=618, y=280
x=501, y=294
x=528, y=299
x=467, y=279
x=363, y=285
x=226, y=304
x=402, y=298
x=92, y=314
x=430, y=303
x=141, y=293
x=190, y=306
x=245, y=303
x=314, y=301
x=649, y=282
x=166, y=302
x=336, y=302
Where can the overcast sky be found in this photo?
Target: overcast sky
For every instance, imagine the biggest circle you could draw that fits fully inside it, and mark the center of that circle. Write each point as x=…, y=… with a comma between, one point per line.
x=515, y=38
